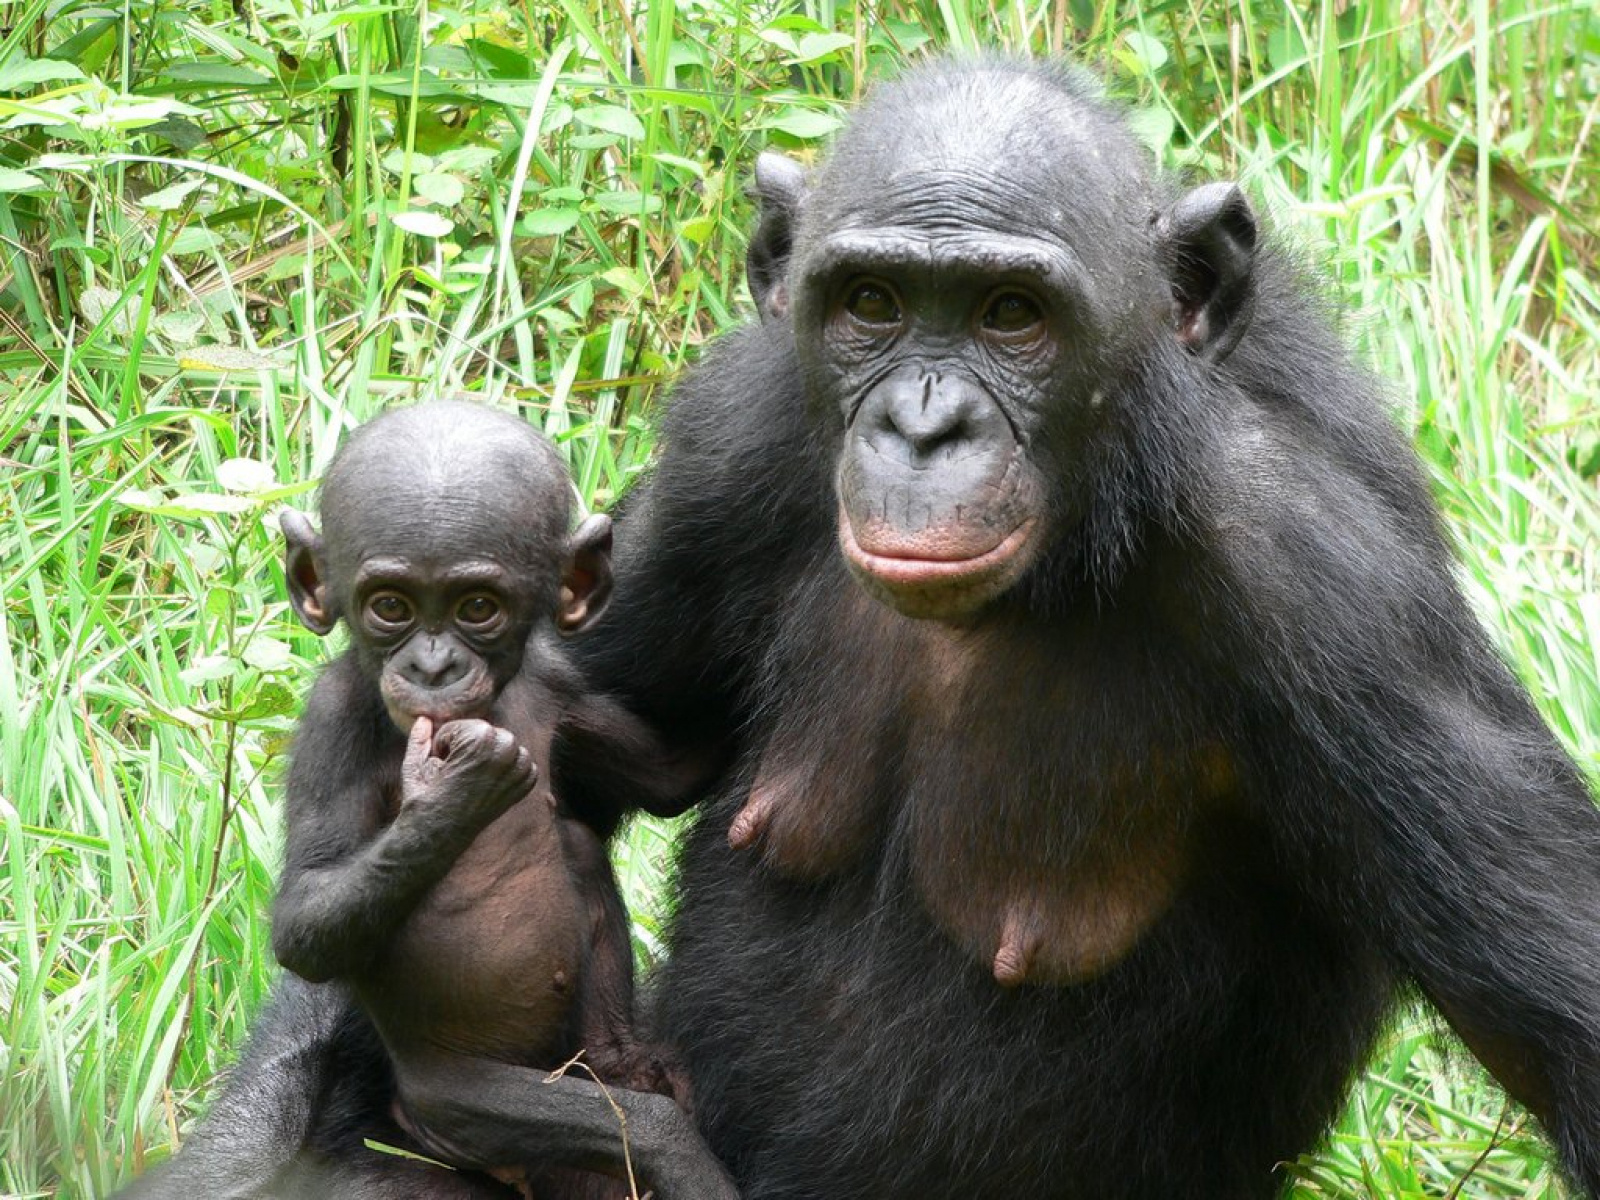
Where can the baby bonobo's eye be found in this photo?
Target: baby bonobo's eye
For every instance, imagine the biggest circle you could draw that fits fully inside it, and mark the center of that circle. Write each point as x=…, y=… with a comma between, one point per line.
x=389, y=609
x=478, y=610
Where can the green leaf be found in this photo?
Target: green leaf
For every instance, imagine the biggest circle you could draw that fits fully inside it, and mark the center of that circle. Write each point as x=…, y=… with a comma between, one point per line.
x=245, y=475
x=216, y=357
x=1154, y=127
x=12, y=180
x=218, y=74
x=267, y=654
x=423, y=224
x=611, y=118
x=694, y=168
x=806, y=124
x=19, y=75
x=172, y=196
x=783, y=41
x=179, y=328
x=1285, y=47
x=438, y=188
x=548, y=222
x=1147, y=54
x=814, y=46
x=396, y=162
x=135, y=112
x=625, y=203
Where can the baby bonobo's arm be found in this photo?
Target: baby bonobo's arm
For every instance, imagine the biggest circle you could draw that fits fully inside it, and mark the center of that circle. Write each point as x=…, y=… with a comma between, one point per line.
x=346, y=888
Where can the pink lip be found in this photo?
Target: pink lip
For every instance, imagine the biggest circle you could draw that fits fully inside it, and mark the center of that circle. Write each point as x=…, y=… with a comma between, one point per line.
x=898, y=571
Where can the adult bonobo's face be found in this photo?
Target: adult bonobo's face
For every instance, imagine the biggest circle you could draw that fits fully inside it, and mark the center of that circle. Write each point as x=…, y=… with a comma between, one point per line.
x=973, y=281
x=444, y=547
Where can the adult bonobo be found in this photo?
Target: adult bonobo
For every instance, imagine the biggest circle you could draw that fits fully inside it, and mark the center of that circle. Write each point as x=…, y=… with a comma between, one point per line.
x=1113, y=743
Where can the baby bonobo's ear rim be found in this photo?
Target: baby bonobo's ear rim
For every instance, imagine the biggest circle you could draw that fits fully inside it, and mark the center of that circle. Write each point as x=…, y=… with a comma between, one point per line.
x=305, y=573
x=586, y=576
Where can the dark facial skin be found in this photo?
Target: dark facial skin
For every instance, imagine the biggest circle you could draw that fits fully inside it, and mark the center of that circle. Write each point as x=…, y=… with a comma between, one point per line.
x=947, y=305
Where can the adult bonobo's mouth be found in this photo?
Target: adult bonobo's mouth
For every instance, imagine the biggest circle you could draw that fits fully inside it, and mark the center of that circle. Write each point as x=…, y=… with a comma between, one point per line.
x=930, y=583
x=940, y=507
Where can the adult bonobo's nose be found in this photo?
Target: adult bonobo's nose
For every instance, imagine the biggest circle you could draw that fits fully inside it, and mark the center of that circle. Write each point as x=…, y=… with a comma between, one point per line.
x=433, y=662
x=919, y=419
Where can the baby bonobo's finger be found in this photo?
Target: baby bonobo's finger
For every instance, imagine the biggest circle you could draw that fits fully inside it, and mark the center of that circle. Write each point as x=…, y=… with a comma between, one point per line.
x=503, y=746
x=419, y=742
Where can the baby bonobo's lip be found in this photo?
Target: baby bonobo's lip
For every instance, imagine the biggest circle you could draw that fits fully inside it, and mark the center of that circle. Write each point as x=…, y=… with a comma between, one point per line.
x=462, y=701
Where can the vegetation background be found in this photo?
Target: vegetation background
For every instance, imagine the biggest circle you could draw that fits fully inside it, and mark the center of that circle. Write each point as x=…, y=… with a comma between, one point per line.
x=229, y=231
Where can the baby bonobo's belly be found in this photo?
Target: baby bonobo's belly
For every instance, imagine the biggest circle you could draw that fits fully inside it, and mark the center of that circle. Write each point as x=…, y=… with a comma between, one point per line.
x=488, y=964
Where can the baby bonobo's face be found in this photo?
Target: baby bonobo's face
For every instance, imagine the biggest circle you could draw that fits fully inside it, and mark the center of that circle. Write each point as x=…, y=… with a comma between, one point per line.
x=444, y=546
x=448, y=633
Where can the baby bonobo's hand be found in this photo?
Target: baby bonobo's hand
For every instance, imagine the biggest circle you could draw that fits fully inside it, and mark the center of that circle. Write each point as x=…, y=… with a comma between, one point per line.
x=474, y=769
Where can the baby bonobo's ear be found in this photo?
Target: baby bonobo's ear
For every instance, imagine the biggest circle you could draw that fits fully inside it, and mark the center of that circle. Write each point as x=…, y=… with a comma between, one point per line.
x=586, y=578
x=305, y=569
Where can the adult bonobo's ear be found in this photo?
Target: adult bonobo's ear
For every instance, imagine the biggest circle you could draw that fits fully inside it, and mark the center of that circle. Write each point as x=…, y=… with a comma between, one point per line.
x=1208, y=241
x=780, y=188
x=304, y=568
x=586, y=579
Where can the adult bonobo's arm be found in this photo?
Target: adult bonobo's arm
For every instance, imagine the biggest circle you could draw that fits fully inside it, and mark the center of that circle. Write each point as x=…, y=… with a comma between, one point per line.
x=256, y=1129
x=497, y=1114
x=1406, y=779
x=348, y=881
x=712, y=545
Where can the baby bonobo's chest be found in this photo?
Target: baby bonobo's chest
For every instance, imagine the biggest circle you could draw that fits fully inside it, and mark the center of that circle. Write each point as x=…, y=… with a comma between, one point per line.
x=1044, y=789
x=490, y=960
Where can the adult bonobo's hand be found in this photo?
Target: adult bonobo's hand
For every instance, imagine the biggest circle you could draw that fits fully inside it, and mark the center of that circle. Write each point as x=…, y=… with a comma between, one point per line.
x=469, y=769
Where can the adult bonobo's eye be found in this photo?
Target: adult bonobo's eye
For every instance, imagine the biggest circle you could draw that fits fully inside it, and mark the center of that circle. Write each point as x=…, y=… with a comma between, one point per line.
x=388, y=610
x=1013, y=316
x=478, y=610
x=871, y=303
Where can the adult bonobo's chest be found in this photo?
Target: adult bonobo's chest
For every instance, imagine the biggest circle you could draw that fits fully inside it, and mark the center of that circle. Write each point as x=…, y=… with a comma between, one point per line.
x=1037, y=786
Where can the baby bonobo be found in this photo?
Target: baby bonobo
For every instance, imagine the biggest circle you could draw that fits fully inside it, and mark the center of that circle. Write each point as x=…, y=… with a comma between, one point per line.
x=429, y=866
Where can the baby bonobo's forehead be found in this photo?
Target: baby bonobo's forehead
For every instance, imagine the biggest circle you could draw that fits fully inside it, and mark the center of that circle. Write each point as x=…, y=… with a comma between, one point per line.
x=446, y=481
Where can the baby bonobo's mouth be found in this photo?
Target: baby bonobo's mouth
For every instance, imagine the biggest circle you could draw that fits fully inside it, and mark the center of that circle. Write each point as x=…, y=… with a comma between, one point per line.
x=470, y=696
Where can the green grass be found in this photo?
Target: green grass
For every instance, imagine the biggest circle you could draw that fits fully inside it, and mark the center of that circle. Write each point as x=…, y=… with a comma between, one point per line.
x=228, y=232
